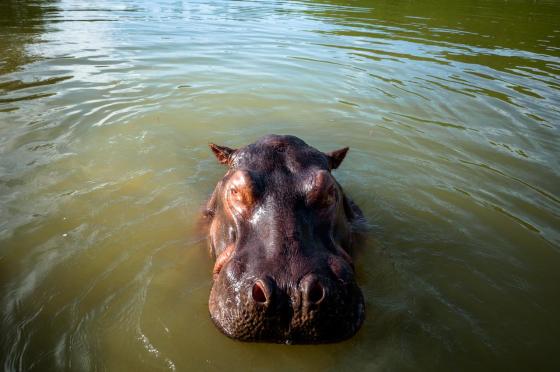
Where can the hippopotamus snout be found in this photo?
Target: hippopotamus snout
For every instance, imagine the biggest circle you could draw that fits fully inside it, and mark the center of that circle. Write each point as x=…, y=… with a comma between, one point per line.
x=318, y=306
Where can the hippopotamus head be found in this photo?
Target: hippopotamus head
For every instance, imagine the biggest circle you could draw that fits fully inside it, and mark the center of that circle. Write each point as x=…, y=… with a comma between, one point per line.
x=280, y=228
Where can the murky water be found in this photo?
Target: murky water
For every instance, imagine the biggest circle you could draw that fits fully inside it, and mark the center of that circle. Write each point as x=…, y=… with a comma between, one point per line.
x=451, y=110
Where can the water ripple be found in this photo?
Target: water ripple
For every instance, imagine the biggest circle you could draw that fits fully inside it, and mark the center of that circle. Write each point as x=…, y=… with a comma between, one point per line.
x=451, y=113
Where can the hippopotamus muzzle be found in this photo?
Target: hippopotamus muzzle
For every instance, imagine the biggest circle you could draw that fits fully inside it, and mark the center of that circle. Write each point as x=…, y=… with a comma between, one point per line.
x=281, y=228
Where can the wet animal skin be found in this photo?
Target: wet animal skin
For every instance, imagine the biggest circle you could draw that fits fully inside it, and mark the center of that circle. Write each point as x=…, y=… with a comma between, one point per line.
x=280, y=228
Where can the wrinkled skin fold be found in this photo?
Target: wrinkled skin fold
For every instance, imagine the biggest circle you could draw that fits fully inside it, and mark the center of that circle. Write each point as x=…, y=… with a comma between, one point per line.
x=280, y=228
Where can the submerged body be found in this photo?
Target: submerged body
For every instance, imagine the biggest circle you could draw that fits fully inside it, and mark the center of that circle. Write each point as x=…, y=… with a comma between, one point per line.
x=280, y=228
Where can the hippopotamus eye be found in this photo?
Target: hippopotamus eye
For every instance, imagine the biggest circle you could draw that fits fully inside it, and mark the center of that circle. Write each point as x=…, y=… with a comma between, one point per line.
x=323, y=198
x=239, y=195
x=323, y=192
x=331, y=196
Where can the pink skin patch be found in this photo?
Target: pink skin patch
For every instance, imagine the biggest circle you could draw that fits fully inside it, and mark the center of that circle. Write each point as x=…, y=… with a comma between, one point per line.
x=222, y=259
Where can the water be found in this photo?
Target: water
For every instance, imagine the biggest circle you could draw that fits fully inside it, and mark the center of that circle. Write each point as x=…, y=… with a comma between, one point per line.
x=451, y=111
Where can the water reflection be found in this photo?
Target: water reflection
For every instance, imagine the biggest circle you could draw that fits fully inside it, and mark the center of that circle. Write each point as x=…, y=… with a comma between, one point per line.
x=451, y=114
x=21, y=24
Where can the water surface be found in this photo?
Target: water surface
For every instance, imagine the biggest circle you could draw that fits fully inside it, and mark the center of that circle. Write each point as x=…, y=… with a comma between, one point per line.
x=451, y=111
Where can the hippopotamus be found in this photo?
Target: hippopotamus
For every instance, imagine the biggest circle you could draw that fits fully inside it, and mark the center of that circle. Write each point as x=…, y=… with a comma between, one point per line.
x=280, y=229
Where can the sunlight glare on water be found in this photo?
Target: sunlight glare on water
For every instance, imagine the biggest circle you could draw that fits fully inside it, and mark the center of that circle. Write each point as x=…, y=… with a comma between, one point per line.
x=451, y=112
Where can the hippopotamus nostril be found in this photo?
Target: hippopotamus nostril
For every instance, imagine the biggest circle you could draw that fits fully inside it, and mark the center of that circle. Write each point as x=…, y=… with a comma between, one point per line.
x=312, y=290
x=262, y=291
x=316, y=293
x=258, y=293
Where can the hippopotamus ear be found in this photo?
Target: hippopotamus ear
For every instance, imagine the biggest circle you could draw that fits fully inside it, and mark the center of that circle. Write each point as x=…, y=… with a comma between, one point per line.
x=336, y=157
x=223, y=153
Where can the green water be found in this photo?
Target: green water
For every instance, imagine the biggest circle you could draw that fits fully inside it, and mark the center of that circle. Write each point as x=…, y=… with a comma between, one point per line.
x=451, y=111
